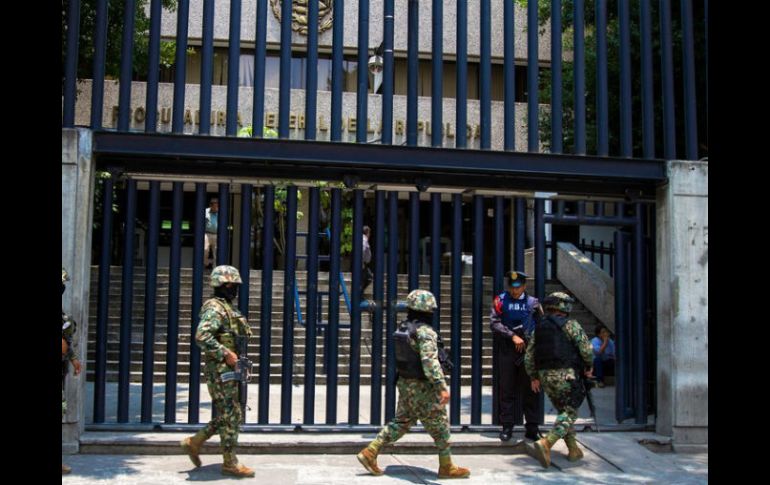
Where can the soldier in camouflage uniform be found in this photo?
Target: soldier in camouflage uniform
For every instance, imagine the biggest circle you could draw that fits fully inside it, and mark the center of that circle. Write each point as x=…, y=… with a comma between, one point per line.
x=68, y=354
x=559, y=355
x=220, y=323
x=422, y=389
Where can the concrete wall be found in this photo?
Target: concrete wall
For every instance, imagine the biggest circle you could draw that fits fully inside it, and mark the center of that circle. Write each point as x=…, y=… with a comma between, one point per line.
x=587, y=281
x=376, y=13
x=297, y=114
x=682, y=281
x=77, y=183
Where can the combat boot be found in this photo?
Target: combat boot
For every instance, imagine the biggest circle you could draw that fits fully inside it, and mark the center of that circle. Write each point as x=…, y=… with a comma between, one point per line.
x=447, y=469
x=368, y=459
x=506, y=433
x=192, y=446
x=543, y=451
x=65, y=469
x=238, y=470
x=575, y=453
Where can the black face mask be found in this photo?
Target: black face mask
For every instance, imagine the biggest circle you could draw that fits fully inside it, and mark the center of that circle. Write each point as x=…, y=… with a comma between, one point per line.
x=228, y=294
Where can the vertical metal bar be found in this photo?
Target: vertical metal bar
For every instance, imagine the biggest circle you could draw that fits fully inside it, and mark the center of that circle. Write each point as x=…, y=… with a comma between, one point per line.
x=356, y=257
x=244, y=260
x=265, y=316
x=601, y=254
x=414, y=240
x=223, y=219
x=688, y=73
x=337, y=73
x=233, y=64
x=197, y=301
x=180, y=66
x=100, y=365
x=390, y=364
x=362, y=93
x=287, y=354
x=312, y=297
x=485, y=75
x=648, y=114
x=539, y=248
x=126, y=66
x=626, y=141
x=556, y=99
x=334, y=308
x=437, y=65
x=639, y=273
x=260, y=46
x=706, y=41
x=388, y=75
x=667, y=80
x=311, y=83
x=435, y=256
x=580, y=76
x=150, y=286
x=457, y=234
x=602, y=96
x=532, y=75
x=621, y=300
x=478, y=282
x=378, y=295
x=520, y=234
x=412, y=72
x=172, y=324
x=71, y=63
x=153, y=73
x=509, y=81
x=284, y=98
x=97, y=88
x=207, y=66
x=461, y=115
x=499, y=263
x=612, y=259
x=126, y=303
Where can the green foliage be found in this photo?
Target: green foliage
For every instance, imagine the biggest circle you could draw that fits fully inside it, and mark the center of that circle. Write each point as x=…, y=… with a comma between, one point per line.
x=115, y=13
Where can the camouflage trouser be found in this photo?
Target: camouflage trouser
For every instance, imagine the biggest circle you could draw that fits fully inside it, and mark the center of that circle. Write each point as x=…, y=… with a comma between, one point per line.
x=566, y=396
x=225, y=399
x=63, y=399
x=417, y=400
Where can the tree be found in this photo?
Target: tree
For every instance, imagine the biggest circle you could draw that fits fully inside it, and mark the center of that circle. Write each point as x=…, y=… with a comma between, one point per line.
x=115, y=12
x=613, y=72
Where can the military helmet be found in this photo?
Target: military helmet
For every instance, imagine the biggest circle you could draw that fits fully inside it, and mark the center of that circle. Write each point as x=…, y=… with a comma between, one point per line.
x=224, y=274
x=421, y=301
x=64, y=275
x=559, y=301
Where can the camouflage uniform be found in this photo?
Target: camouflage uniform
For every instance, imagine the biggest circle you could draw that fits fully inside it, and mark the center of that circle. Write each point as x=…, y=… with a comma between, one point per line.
x=67, y=333
x=219, y=323
x=419, y=399
x=558, y=384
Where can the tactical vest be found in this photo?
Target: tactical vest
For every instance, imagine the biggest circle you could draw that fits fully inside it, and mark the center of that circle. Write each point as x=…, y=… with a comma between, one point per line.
x=235, y=324
x=408, y=361
x=553, y=348
x=515, y=312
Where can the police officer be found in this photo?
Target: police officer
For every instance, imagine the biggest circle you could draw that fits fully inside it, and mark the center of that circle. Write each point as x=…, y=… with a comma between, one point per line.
x=559, y=356
x=512, y=323
x=68, y=355
x=220, y=323
x=422, y=388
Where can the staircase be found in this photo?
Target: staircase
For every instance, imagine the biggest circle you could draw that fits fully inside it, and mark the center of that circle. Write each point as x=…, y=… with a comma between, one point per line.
x=276, y=331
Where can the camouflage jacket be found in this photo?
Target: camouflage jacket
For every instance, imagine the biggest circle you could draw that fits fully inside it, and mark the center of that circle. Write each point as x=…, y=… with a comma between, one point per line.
x=67, y=333
x=218, y=321
x=426, y=345
x=578, y=338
